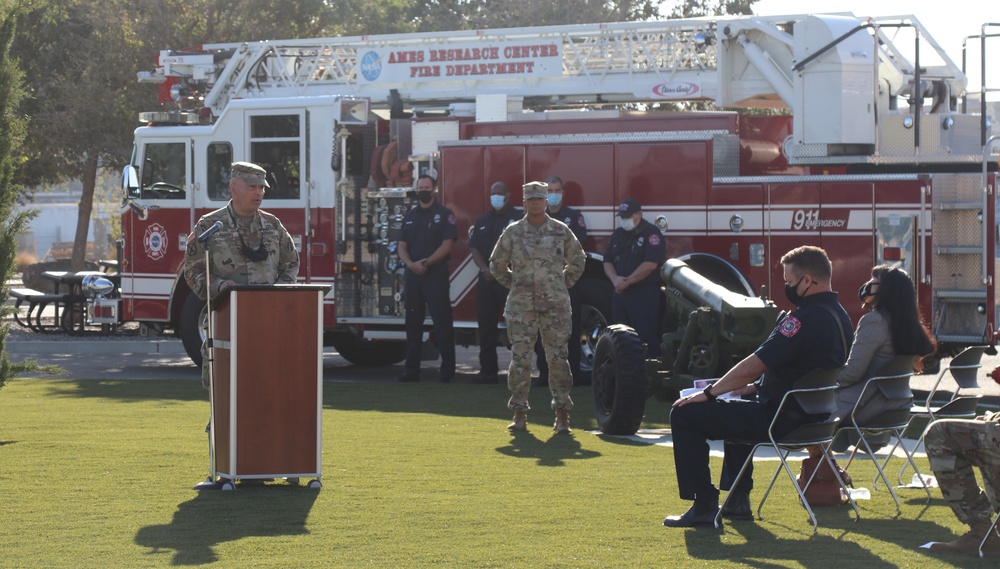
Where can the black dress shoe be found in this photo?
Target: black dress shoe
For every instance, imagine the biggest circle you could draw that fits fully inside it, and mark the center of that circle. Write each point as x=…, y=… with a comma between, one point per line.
x=408, y=378
x=481, y=379
x=696, y=516
x=738, y=507
x=446, y=377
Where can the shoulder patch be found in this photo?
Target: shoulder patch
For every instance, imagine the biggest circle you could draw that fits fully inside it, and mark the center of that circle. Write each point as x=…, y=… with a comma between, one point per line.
x=581, y=222
x=790, y=326
x=451, y=219
x=654, y=239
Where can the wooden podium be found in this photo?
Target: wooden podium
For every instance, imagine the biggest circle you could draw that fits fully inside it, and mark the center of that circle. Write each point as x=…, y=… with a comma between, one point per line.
x=267, y=382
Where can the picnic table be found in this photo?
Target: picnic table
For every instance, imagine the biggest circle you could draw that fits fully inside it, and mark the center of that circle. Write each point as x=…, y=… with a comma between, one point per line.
x=72, y=308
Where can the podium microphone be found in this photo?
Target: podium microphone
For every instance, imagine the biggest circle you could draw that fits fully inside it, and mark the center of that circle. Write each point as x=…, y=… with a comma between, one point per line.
x=210, y=232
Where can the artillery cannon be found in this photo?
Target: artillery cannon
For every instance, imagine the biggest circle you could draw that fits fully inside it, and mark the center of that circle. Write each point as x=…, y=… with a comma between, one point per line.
x=707, y=329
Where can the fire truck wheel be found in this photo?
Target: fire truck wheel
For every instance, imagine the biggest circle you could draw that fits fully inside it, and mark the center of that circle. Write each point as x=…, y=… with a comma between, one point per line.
x=619, y=381
x=363, y=352
x=192, y=327
x=595, y=308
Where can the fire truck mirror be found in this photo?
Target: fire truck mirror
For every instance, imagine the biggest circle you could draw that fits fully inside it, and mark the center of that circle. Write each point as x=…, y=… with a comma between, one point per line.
x=130, y=183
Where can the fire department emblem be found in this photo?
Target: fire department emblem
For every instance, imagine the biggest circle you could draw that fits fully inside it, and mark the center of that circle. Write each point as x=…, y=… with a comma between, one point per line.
x=654, y=239
x=155, y=241
x=790, y=326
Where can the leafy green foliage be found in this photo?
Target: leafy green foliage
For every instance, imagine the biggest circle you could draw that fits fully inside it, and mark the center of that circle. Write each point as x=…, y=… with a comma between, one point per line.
x=12, y=223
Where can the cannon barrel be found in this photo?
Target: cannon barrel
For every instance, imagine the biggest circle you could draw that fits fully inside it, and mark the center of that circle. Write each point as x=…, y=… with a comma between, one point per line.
x=696, y=288
x=741, y=319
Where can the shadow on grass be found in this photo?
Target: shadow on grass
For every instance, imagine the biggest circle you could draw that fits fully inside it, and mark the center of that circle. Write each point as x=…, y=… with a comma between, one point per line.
x=553, y=452
x=214, y=517
x=707, y=543
x=4, y=443
x=129, y=390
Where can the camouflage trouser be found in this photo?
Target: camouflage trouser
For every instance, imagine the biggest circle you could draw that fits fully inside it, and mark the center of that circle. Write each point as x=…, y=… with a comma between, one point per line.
x=523, y=328
x=954, y=446
x=205, y=363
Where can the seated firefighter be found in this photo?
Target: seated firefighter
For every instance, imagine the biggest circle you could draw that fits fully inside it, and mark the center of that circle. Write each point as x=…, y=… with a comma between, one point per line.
x=815, y=335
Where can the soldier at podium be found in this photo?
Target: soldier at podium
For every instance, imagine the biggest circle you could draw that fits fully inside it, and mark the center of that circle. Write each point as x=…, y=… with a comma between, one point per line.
x=251, y=247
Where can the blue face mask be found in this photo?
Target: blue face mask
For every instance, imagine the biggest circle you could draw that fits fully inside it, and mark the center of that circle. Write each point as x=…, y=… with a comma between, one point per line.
x=498, y=202
x=554, y=199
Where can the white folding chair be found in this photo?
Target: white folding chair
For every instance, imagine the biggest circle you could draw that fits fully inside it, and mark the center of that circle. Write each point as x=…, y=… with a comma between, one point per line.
x=814, y=393
x=964, y=369
x=893, y=383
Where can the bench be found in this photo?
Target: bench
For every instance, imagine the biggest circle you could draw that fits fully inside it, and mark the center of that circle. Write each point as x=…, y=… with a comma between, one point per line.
x=37, y=302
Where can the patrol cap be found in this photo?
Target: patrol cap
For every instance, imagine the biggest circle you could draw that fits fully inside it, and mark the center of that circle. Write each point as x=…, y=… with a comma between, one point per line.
x=535, y=190
x=629, y=207
x=251, y=173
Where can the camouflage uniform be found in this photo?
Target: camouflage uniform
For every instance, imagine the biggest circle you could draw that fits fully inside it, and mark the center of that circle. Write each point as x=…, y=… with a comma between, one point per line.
x=228, y=261
x=538, y=265
x=954, y=446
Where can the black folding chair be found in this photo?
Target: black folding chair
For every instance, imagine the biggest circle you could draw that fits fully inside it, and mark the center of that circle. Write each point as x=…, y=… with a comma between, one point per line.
x=964, y=369
x=893, y=383
x=814, y=394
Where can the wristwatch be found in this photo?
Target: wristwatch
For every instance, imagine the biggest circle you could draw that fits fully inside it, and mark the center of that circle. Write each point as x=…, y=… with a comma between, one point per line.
x=708, y=393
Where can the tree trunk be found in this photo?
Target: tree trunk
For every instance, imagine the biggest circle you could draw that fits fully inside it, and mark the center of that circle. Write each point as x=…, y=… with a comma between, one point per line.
x=89, y=179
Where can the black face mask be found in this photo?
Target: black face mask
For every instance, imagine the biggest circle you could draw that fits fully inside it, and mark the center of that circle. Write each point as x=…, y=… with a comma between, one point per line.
x=791, y=292
x=865, y=291
x=258, y=254
x=425, y=196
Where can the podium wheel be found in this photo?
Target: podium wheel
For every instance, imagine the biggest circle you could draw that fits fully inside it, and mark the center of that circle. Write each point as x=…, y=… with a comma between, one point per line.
x=229, y=485
x=294, y=481
x=315, y=484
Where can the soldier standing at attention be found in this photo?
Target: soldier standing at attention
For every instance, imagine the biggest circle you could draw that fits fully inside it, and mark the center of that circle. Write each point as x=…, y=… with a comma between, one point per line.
x=491, y=296
x=634, y=254
x=538, y=259
x=954, y=447
x=251, y=248
x=574, y=220
x=428, y=233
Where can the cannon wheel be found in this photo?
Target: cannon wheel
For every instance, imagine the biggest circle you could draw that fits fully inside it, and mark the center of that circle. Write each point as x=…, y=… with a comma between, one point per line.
x=595, y=312
x=193, y=327
x=619, y=381
x=362, y=352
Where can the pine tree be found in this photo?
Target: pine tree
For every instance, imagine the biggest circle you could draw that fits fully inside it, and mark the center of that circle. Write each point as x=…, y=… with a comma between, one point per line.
x=12, y=223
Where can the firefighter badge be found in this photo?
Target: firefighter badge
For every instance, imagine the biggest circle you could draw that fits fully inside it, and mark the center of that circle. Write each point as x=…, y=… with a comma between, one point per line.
x=790, y=326
x=155, y=242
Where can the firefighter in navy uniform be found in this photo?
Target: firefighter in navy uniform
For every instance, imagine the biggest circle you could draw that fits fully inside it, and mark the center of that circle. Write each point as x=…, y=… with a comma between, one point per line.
x=491, y=296
x=817, y=334
x=574, y=220
x=634, y=255
x=429, y=231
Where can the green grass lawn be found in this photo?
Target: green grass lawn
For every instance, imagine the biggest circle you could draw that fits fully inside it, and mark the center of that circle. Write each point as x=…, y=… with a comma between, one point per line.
x=99, y=474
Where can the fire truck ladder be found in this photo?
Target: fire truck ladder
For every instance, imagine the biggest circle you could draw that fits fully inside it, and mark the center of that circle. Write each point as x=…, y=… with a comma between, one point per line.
x=737, y=61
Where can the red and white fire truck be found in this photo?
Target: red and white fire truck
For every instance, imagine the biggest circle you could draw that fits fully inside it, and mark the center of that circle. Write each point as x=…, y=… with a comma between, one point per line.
x=878, y=160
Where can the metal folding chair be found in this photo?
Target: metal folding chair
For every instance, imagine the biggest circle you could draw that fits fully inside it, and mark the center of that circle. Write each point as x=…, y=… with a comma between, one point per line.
x=996, y=520
x=893, y=382
x=964, y=369
x=814, y=394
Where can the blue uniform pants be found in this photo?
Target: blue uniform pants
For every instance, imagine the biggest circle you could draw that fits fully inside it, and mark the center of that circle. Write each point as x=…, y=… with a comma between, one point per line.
x=491, y=297
x=429, y=291
x=694, y=424
x=639, y=307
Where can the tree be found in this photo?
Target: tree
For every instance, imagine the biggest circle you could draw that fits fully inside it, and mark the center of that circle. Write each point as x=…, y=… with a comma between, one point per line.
x=81, y=61
x=699, y=8
x=12, y=128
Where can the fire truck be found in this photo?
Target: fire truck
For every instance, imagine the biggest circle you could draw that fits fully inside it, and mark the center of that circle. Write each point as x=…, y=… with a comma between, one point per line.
x=867, y=147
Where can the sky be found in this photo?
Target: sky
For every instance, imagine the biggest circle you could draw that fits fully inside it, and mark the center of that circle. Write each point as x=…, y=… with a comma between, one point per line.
x=947, y=21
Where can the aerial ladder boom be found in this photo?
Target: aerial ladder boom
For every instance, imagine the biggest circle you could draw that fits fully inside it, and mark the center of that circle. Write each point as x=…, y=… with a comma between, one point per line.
x=842, y=77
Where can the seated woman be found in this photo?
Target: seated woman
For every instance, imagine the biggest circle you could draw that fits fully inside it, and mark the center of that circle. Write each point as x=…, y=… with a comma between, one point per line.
x=893, y=327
